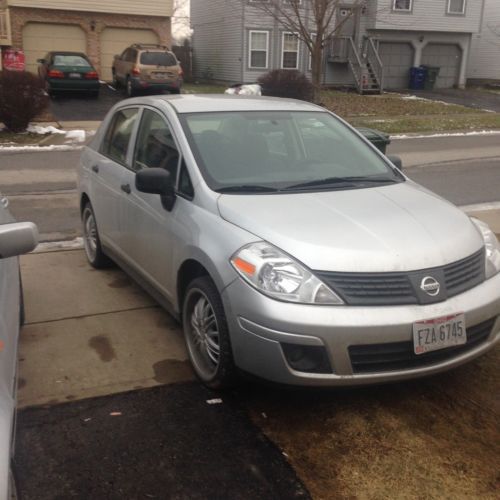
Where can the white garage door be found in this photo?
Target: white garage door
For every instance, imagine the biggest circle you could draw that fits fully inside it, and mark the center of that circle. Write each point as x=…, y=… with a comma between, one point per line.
x=397, y=59
x=40, y=38
x=447, y=57
x=116, y=40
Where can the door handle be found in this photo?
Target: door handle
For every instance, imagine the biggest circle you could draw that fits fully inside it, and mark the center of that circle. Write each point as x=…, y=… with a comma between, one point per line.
x=95, y=168
x=126, y=188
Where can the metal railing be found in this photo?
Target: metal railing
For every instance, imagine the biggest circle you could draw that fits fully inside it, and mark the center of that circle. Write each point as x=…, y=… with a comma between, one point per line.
x=373, y=59
x=355, y=64
x=5, y=36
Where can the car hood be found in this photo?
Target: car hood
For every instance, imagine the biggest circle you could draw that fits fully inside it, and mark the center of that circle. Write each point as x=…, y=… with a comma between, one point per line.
x=400, y=227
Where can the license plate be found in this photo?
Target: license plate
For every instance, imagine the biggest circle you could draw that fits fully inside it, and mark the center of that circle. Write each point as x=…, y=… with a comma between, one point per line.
x=160, y=76
x=439, y=333
x=75, y=75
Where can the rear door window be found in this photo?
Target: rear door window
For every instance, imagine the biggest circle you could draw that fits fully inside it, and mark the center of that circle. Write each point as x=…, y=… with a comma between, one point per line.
x=117, y=139
x=158, y=59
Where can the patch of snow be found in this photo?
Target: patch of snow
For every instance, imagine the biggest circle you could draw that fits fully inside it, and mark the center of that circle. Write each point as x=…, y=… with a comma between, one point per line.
x=38, y=129
x=52, y=246
x=38, y=149
x=446, y=134
x=481, y=207
x=75, y=136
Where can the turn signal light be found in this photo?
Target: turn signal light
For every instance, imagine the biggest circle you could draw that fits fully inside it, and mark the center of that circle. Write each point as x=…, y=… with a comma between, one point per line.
x=55, y=73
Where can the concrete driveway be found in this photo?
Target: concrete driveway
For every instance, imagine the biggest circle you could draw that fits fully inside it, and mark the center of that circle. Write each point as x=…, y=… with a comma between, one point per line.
x=91, y=333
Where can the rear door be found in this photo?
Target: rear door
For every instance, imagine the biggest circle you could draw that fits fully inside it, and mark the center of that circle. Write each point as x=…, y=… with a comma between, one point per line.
x=108, y=169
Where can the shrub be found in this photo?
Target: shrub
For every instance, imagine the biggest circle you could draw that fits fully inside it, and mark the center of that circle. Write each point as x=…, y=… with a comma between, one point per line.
x=22, y=97
x=287, y=83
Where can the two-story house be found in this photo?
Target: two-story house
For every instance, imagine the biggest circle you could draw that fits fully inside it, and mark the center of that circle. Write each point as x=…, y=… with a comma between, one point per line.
x=484, y=60
x=99, y=28
x=235, y=41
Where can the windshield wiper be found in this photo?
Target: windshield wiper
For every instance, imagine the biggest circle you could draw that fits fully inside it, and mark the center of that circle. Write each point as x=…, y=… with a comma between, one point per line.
x=340, y=181
x=247, y=188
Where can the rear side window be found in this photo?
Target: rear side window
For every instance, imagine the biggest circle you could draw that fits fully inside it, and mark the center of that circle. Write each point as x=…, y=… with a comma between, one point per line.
x=70, y=60
x=117, y=138
x=158, y=59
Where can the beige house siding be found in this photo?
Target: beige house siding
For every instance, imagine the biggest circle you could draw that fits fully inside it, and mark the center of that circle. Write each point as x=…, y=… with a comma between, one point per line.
x=162, y=8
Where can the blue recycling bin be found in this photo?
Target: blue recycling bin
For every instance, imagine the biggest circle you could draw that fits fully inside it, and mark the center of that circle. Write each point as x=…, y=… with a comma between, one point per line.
x=418, y=76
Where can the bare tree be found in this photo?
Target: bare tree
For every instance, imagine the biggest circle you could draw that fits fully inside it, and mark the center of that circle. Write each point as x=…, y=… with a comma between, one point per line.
x=180, y=19
x=314, y=22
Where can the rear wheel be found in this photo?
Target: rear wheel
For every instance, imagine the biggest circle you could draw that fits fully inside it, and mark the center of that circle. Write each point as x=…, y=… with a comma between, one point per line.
x=207, y=335
x=129, y=88
x=91, y=241
x=116, y=83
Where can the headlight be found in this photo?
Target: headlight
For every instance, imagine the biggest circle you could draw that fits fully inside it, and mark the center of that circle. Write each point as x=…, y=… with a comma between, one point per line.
x=492, y=248
x=279, y=276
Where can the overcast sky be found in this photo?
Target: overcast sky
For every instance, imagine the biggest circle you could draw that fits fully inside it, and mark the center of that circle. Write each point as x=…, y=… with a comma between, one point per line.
x=180, y=24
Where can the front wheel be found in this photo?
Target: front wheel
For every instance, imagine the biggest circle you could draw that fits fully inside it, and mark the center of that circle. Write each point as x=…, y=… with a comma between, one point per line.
x=207, y=335
x=91, y=241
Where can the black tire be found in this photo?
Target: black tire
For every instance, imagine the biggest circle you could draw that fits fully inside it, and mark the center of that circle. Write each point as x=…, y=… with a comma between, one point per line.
x=215, y=375
x=92, y=243
x=116, y=83
x=129, y=90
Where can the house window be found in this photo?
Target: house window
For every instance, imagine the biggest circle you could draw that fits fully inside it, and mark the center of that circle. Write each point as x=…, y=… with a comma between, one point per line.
x=402, y=5
x=290, y=51
x=258, y=49
x=456, y=6
x=292, y=1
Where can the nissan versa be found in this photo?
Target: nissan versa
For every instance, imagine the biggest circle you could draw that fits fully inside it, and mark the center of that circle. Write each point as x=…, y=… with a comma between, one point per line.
x=288, y=246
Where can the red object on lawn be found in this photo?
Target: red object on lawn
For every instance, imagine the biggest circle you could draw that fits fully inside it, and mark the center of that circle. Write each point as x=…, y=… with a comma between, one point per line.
x=13, y=60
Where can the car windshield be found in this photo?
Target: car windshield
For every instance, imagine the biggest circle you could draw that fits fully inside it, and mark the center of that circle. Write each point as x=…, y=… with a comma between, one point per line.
x=70, y=60
x=158, y=59
x=265, y=152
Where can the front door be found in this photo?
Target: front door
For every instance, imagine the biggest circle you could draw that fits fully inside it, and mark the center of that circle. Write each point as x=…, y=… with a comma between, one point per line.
x=149, y=228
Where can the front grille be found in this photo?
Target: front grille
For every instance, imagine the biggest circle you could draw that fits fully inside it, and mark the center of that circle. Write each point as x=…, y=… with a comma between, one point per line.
x=372, y=289
x=464, y=274
x=374, y=358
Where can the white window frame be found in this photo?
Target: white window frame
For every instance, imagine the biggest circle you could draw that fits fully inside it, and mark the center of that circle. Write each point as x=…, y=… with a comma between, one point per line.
x=292, y=1
x=409, y=9
x=454, y=13
x=283, y=49
x=250, y=49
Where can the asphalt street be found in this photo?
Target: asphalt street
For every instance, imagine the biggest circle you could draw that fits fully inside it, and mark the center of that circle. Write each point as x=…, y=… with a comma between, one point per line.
x=42, y=186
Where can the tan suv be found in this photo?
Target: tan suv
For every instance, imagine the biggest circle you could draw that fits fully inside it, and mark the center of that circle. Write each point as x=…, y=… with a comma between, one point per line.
x=144, y=67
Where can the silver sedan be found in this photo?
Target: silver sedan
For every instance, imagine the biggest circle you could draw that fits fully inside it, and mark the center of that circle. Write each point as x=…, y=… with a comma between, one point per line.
x=287, y=245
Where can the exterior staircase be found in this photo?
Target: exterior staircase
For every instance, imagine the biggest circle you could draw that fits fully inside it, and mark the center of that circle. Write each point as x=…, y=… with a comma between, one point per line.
x=367, y=68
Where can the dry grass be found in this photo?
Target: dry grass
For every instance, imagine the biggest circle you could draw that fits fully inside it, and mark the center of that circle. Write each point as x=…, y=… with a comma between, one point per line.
x=349, y=104
x=432, y=439
x=10, y=138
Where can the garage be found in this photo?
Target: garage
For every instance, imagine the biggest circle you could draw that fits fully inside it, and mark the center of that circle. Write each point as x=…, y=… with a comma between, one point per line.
x=397, y=59
x=448, y=58
x=115, y=40
x=40, y=38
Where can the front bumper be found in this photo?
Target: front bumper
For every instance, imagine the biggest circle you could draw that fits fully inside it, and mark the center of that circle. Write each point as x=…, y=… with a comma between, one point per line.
x=259, y=326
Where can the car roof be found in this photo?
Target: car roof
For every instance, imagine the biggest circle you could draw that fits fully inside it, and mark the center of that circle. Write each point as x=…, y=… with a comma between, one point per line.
x=206, y=103
x=66, y=53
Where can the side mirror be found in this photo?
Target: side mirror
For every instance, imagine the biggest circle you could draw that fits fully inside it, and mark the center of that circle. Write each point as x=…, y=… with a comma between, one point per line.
x=17, y=238
x=396, y=161
x=157, y=181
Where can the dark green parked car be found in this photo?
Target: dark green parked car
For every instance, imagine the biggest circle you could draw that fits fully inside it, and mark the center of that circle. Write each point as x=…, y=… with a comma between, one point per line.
x=68, y=72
